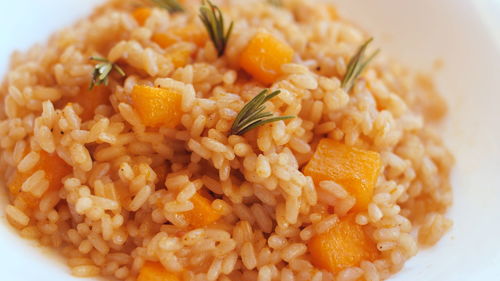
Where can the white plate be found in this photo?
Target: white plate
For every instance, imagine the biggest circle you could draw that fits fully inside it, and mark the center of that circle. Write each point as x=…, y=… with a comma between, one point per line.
x=464, y=34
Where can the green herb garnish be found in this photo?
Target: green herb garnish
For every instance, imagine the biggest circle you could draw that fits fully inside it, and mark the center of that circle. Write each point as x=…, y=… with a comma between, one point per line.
x=102, y=71
x=252, y=116
x=170, y=5
x=277, y=3
x=212, y=18
x=356, y=66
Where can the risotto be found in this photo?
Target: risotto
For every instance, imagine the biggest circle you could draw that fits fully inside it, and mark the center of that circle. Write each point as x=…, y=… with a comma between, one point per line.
x=265, y=140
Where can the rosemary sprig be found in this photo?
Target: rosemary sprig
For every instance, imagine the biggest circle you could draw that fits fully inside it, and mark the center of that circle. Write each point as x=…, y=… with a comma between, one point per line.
x=170, y=5
x=212, y=18
x=252, y=116
x=277, y=3
x=102, y=71
x=356, y=66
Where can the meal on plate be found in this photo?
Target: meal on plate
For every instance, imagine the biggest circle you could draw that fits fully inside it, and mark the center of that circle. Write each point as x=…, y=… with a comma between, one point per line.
x=228, y=140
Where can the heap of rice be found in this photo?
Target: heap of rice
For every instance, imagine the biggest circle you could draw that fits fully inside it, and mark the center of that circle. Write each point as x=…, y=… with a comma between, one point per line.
x=107, y=219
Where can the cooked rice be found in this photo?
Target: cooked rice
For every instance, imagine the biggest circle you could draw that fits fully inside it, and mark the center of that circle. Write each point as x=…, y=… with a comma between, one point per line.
x=112, y=215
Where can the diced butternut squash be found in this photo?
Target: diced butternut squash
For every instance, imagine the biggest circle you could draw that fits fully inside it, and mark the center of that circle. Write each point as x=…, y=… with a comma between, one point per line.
x=165, y=40
x=17, y=182
x=202, y=213
x=355, y=169
x=88, y=100
x=179, y=58
x=15, y=189
x=141, y=15
x=344, y=245
x=55, y=170
x=332, y=12
x=263, y=56
x=189, y=33
x=157, y=106
x=154, y=271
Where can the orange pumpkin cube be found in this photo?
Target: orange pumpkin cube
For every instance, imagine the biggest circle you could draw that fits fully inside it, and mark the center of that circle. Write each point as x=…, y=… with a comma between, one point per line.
x=202, y=213
x=332, y=12
x=355, y=169
x=15, y=189
x=157, y=106
x=165, y=40
x=88, y=100
x=141, y=15
x=263, y=56
x=179, y=58
x=154, y=271
x=55, y=170
x=189, y=33
x=17, y=181
x=344, y=245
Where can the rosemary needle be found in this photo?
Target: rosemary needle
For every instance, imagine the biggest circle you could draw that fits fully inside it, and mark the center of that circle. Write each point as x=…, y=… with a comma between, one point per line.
x=212, y=18
x=102, y=70
x=356, y=66
x=277, y=3
x=252, y=116
x=170, y=5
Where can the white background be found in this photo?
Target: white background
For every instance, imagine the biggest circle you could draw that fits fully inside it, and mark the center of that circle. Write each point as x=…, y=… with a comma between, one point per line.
x=465, y=34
